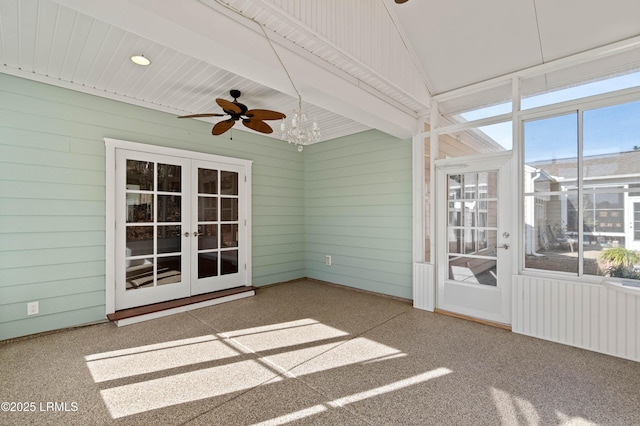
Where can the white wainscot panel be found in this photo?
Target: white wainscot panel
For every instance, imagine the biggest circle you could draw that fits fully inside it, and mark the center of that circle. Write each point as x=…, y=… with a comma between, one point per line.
x=588, y=316
x=423, y=286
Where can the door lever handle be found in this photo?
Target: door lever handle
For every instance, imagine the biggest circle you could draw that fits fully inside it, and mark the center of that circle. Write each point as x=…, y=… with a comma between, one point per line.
x=504, y=246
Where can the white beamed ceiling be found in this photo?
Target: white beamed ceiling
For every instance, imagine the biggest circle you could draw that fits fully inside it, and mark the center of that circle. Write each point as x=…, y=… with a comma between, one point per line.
x=359, y=64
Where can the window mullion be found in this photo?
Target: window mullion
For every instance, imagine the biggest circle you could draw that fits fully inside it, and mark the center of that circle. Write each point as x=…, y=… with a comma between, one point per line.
x=580, y=196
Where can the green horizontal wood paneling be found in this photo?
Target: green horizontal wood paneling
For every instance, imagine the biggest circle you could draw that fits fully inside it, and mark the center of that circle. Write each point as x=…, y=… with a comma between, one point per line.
x=39, y=323
x=24, y=241
x=24, y=293
x=358, y=210
x=37, y=274
x=53, y=305
x=43, y=173
x=40, y=257
x=62, y=207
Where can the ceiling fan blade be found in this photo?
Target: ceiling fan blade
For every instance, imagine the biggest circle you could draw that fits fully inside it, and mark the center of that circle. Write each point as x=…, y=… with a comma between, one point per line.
x=228, y=106
x=401, y=1
x=265, y=114
x=202, y=115
x=222, y=127
x=257, y=125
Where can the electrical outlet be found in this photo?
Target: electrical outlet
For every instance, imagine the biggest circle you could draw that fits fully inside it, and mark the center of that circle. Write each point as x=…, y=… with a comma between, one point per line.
x=33, y=308
x=327, y=260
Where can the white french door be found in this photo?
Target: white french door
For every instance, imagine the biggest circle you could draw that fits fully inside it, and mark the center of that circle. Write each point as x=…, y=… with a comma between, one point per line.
x=180, y=227
x=217, y=259
x=474, y=237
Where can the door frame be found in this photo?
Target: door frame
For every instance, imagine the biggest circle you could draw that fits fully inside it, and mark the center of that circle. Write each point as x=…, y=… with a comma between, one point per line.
x=465, y=164
x=111, y=146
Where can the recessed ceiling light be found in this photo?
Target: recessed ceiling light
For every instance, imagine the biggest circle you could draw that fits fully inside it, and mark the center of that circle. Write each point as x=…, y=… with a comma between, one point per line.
x=140, y=60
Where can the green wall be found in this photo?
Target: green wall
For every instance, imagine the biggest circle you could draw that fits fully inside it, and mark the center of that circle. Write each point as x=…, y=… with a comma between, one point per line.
x=358, y=210
x=350, y=198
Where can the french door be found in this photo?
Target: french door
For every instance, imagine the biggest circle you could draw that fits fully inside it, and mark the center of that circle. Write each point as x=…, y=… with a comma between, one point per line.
x=474, y=237
x=180, y=227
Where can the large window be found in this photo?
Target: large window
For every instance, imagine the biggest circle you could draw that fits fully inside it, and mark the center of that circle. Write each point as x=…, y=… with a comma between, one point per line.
x=581, y=173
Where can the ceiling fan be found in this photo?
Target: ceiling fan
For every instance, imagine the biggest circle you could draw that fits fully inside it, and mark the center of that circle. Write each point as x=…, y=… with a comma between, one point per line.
x=401, y=1
x=251, y=118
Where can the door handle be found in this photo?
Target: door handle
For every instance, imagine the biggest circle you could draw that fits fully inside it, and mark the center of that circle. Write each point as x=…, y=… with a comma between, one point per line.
x=186, y=234
x=504, y=246
x=195, y=234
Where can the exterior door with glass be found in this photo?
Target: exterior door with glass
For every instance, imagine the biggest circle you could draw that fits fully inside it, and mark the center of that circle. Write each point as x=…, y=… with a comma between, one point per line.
x=217, y=260
x=474, y=237
x=179, y=224
x=632, y=214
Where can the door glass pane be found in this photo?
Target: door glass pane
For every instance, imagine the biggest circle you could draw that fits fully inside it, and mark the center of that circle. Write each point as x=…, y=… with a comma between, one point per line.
x=140, y=175
x=229, y=262
x=228, y=183
x=169, y=270
x=207, y=265
x=169, y=239
x=483, y=185
x=139, y=240
x=490, y=209
x=139, y=273
x=207, y=181
x=207, y=209
x=455, y=213
x=455, y=187
x=139, y=208
x=470, y=186
x=483, y=239
x=169, y=208
x=473, y=271
x=169, y=178
x=469, y=241
x=207, y=237
x=455, y=240
x=229, y=235
x=488, y=184
x=229, y=209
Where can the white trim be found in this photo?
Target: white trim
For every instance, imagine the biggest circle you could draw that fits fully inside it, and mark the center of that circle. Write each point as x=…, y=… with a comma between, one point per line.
x=175, y=152
x=418, y=198
x=110, y=230
x=111, y=145
x=481, y=122
x=601, y=100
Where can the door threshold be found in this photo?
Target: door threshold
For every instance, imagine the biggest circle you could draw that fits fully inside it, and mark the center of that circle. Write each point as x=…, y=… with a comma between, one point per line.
x=162, y=309
x=478, y=320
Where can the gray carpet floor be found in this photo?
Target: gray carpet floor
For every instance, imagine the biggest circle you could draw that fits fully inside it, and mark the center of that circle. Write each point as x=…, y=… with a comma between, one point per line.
x=305, y=352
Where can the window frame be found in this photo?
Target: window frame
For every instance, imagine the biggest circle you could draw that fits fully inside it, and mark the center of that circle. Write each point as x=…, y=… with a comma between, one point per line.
x=578, y=106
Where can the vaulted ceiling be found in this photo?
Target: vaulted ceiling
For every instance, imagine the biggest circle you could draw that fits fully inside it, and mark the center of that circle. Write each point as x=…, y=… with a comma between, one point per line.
x=358, y=64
